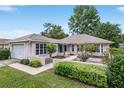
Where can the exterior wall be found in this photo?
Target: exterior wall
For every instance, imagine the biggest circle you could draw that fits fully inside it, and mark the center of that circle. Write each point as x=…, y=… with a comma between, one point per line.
x=30, y=50
x=105, y=47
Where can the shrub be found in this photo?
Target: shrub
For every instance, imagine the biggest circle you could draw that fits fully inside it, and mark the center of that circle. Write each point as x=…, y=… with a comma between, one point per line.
x=116, y=51
x=25, y=61
x=90, y=74
x=83, y=57
x=35, y=63
x=105, y=57
x=4, y=53
x=90, y=48
x=115, y=72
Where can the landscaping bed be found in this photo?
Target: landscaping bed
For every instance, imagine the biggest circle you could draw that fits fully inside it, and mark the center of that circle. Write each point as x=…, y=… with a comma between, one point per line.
x=33, y=63
x=12, y=78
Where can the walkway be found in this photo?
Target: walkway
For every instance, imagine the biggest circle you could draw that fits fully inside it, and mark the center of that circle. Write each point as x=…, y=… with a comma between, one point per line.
x=7, y=62
x=70, y=58
x=31, y=70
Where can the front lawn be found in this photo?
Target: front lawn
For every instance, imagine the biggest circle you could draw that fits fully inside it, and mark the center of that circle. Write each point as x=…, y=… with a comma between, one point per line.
x=12, y=78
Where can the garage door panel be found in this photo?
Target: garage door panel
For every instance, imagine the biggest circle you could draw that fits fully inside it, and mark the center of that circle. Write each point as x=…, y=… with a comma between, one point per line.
x=18, y=51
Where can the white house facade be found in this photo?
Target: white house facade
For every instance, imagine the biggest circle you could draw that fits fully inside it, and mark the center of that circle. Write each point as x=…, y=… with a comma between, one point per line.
x=34, y=45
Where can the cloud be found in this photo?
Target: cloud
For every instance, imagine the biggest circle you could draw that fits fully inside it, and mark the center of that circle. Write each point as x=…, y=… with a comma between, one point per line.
x=121, y=9
x=8, y=8
x=14, y=34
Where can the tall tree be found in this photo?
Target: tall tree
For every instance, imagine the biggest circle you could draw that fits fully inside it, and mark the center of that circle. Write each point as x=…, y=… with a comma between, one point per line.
x=111, y=32
x=84, y=20
x=53, y=31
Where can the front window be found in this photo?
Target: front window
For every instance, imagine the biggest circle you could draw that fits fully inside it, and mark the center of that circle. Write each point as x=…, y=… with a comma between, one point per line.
x=37, y=49
x=40, y=49
x=45, y=48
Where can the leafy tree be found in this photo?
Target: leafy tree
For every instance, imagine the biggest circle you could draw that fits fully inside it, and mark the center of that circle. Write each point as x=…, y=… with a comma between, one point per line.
x=111, y=32
x=51, y=48
x=84, y=20
x=89, y=48
x=53, y=31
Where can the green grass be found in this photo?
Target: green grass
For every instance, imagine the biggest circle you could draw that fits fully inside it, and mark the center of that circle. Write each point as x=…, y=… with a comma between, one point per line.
x=12, y=78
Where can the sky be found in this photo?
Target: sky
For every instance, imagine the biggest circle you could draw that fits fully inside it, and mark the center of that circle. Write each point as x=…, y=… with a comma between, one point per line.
x=16, y=21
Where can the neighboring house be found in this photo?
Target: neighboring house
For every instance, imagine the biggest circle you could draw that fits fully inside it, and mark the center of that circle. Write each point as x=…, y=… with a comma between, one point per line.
x=4, y=43
x=34, y=45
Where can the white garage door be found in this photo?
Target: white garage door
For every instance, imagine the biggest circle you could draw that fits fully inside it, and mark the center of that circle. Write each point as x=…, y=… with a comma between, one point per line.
x=18, y=51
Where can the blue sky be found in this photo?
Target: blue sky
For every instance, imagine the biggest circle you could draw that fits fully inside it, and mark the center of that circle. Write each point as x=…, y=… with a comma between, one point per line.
x=17, y=21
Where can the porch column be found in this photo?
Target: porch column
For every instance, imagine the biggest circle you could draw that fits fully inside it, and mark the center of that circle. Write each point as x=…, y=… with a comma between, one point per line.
x=100, y=49
x=57, y=50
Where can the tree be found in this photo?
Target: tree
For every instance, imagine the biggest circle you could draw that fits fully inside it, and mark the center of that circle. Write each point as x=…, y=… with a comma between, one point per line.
x=85, y=20
x=53, y=31
x=111, y=32
x=51, y=48
x=89, y=48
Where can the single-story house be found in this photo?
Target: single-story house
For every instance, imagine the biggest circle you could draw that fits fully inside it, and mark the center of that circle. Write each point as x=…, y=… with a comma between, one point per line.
x=4, y=43
x=34, y=45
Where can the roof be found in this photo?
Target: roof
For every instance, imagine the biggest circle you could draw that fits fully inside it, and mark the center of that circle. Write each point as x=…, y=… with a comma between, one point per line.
x=84, y=38
x=34, y=37
x=4, y=41
x=74, y=39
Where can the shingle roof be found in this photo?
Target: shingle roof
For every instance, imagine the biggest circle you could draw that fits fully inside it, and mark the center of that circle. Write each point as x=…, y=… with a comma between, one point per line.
x=4, y=41
x=34, y=37
x=84, y=38
x=74, y=39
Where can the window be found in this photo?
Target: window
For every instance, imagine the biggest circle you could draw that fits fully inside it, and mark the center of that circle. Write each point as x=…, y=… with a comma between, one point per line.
x=72, y=47
x=65, y=49
x=37, y=49
x=45, y=50
x=41, y=49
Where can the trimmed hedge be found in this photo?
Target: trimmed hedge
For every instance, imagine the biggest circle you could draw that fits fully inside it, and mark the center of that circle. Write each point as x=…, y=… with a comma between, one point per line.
x=4, y=53
x=35, y=63
x=25, y=61
x=89, y=74
x=115, y=72
x=116, y=51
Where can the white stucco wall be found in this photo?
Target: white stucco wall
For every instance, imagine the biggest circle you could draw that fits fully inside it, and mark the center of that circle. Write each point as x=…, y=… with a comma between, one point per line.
x=30, y=50
x=105, y=47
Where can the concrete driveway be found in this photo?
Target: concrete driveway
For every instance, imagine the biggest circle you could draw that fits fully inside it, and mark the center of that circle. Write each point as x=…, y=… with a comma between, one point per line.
x=7, y=62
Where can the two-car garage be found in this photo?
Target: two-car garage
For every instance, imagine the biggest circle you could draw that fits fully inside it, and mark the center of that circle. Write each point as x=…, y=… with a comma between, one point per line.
x=18, y=51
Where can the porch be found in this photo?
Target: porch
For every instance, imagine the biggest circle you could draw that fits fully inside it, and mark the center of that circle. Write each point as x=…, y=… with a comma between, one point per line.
x=71, y=49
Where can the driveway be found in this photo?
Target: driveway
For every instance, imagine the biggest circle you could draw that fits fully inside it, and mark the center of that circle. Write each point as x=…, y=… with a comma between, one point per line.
x=7, y=62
